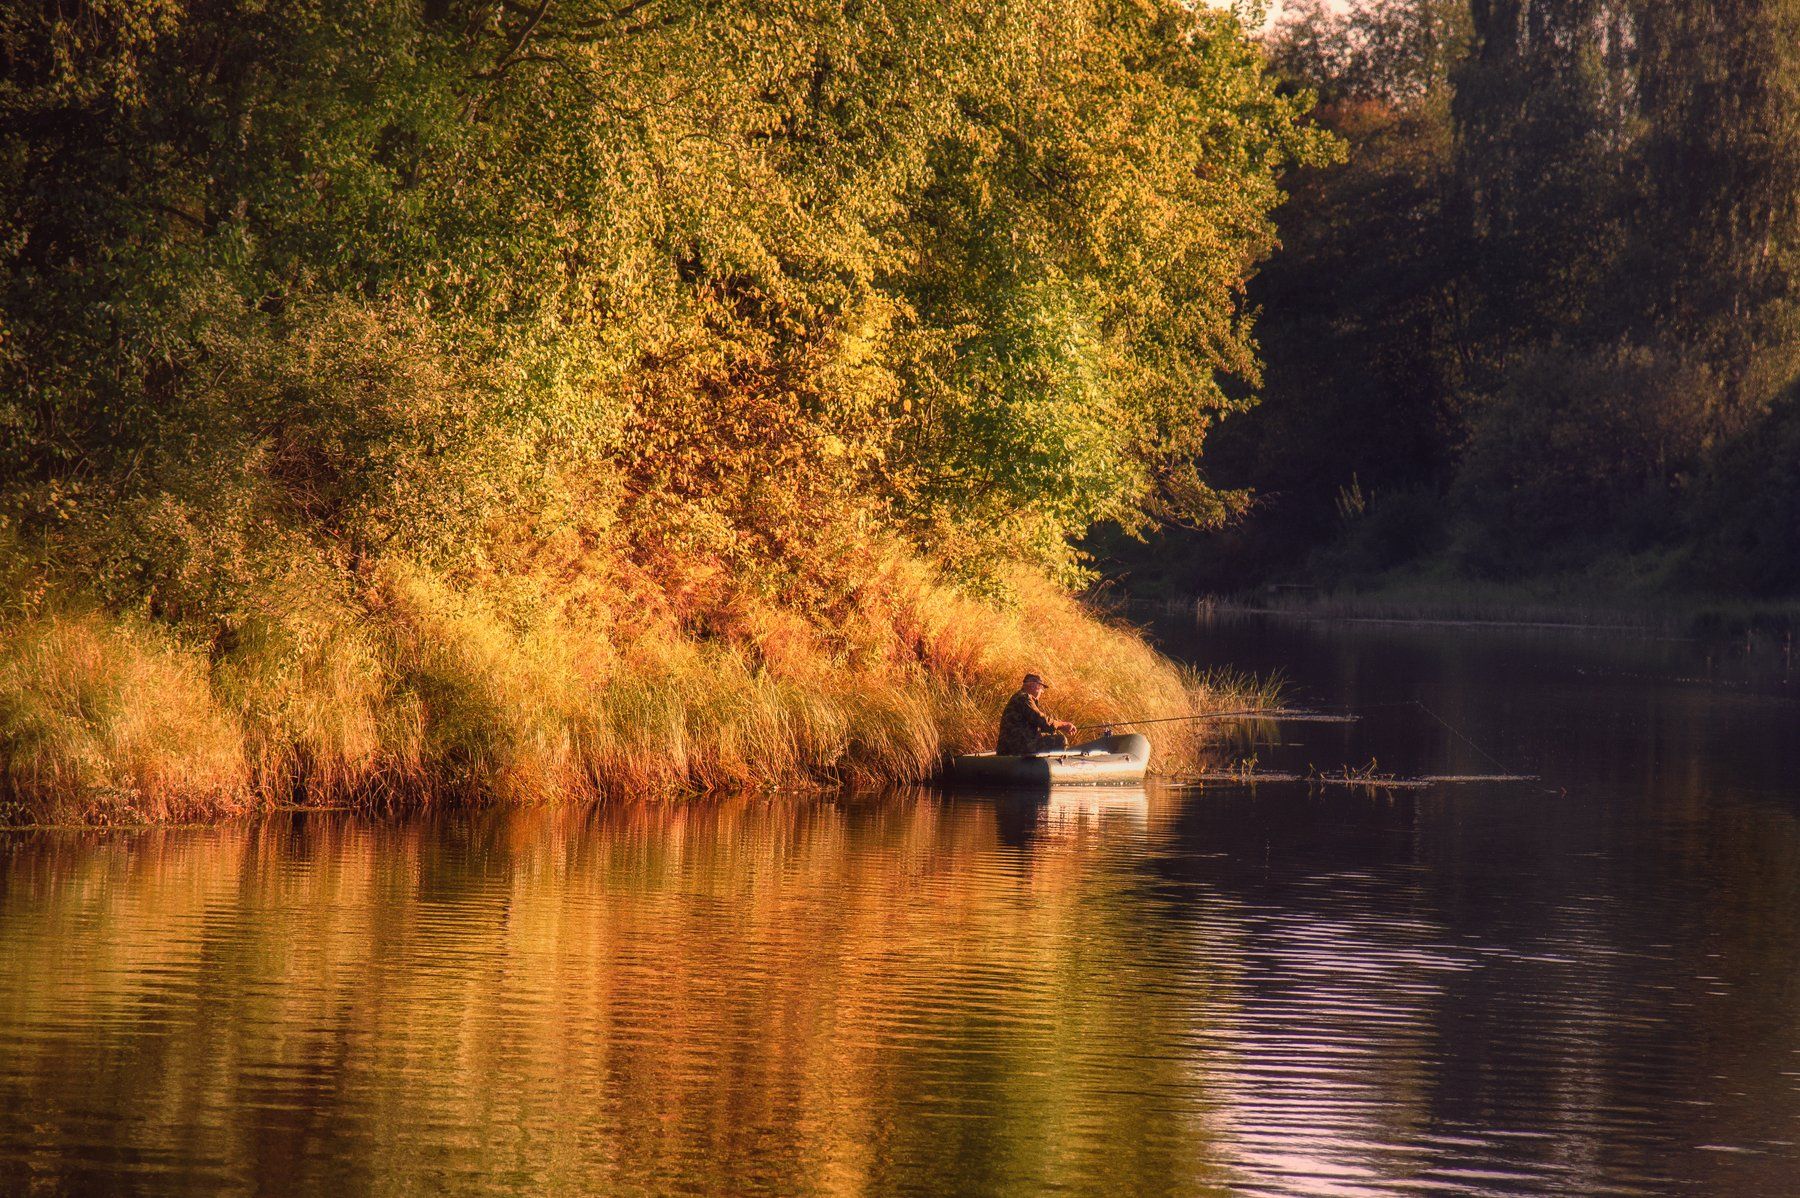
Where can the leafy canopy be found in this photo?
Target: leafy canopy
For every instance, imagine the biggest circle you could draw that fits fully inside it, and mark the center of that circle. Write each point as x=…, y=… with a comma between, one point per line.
x=352, y=279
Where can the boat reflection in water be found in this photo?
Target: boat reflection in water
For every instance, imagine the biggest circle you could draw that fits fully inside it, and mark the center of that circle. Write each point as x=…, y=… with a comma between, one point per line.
x=1069, y=808
x=1024, y=820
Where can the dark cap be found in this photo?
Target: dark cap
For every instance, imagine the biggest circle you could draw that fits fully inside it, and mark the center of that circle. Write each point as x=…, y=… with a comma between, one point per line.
x=1037, y=678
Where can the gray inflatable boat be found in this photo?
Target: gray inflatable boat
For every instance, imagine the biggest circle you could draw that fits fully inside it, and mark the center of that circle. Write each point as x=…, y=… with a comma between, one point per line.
x=1109, y=761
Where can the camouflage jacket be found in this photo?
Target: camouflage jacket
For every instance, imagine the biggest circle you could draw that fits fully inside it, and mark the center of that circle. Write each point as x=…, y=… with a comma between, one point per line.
x=1021, y=724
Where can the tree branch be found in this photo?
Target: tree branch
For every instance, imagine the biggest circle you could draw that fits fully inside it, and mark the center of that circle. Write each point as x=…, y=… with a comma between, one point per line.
x=530, y=27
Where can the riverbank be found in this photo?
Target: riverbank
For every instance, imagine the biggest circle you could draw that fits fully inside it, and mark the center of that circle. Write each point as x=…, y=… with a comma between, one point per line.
x=523, y=452
x=411, y=690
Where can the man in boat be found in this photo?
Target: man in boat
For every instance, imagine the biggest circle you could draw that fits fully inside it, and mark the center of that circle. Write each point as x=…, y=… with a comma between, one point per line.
x=1024, y=728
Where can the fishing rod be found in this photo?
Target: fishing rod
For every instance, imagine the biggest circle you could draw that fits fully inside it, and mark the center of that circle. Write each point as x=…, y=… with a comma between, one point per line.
x=1289, y=713
x=1459, y=734
x=1210, y=715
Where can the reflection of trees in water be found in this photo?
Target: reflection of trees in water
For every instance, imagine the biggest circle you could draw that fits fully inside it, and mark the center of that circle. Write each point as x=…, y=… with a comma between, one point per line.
x=814, y=997
x=1482, y=989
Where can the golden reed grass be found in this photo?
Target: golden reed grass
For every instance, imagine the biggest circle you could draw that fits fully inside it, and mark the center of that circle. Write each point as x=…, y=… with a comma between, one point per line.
x=424, y=692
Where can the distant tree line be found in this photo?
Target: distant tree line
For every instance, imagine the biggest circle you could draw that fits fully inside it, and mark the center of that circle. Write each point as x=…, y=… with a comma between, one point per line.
x=1543, y=319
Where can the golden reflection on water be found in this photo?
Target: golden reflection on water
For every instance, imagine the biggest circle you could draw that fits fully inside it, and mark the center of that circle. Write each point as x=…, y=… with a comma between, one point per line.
x=820, y=998
x=1238, y=992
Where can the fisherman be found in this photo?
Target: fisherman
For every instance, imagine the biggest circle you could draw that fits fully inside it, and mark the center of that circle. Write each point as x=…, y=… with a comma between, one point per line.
x=1024, y=728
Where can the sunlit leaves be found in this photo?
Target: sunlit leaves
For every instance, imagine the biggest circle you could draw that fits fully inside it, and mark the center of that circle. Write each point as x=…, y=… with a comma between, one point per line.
x=388, y=276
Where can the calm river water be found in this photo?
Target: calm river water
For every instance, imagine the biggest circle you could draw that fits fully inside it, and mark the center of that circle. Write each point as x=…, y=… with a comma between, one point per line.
x=1586, y=984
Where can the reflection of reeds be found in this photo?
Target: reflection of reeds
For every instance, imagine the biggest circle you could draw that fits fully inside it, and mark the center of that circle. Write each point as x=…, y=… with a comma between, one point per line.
x=424, y=690
x=1366, y=778
x=592, y=997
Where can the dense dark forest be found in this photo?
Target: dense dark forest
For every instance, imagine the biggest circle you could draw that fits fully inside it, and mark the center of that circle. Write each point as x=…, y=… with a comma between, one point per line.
x=1542, y=320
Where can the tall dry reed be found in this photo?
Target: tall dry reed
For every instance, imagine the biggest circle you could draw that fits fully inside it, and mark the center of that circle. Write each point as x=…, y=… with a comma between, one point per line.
x=106, y=720
x=425, y=690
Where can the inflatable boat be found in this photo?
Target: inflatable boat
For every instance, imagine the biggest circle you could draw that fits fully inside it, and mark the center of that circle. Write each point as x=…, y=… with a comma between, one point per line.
x=1109, y=761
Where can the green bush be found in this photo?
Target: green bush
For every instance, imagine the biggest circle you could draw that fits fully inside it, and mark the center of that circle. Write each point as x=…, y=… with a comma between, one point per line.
x=599, y=322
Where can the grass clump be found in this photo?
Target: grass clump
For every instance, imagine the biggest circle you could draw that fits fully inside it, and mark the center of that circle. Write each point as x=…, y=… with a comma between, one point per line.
x=107, y=720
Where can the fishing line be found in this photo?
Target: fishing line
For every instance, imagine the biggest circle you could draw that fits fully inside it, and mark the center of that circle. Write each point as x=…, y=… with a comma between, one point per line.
x=1291, y=714
x=1452, y=729
x=1459, y=735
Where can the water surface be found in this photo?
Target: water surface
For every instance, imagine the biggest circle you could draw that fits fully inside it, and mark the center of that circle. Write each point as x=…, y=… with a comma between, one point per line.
x=1587, y=984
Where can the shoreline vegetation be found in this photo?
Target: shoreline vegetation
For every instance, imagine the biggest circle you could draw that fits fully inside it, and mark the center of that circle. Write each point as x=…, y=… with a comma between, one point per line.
x=464, y=401
x=423, y=695
x=1539, y=603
